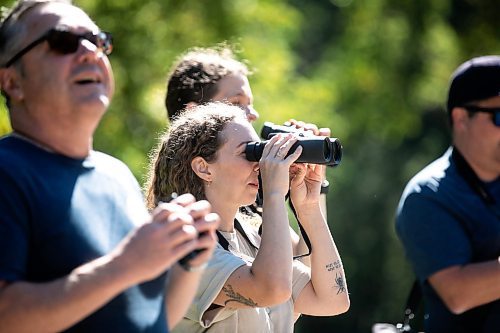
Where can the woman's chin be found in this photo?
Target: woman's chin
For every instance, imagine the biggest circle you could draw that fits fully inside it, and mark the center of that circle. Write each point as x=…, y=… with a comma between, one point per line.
x=250, y=200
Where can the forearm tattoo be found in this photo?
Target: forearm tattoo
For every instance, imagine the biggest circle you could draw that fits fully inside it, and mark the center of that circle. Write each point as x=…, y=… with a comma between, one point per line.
x=339, y=283
x=339, y=278
x=237, y=297
x=333, y=266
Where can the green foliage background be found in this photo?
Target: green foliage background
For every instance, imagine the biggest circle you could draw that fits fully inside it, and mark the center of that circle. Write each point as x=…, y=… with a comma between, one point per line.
x=374, y=71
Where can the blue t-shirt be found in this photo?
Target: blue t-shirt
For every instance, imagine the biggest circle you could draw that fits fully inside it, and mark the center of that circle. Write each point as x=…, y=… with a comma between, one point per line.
x=443, y=222
x=57, y=213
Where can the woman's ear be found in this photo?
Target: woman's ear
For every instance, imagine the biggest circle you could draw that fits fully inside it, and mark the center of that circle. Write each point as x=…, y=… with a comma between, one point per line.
x=201, y=168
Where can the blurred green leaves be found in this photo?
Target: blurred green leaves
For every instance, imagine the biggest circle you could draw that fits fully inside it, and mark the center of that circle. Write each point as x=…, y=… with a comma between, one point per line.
x=374, y=71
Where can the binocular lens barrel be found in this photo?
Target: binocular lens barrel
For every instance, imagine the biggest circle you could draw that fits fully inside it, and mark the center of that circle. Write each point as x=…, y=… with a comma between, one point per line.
x=315, y=149
x=269, y=129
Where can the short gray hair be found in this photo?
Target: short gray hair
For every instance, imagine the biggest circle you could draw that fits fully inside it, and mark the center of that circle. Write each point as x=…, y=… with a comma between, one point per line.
x=12, y=28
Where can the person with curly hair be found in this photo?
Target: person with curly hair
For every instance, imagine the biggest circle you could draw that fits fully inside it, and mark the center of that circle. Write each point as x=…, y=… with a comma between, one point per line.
x=251, y=284
x=214, y=74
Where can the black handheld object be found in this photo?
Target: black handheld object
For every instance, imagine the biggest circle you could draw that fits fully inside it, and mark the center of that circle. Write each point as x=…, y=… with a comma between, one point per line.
x=315, y=149
x=184, y=261
x=269, y=129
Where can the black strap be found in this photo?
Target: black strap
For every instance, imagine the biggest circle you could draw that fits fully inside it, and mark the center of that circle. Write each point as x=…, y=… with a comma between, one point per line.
x=471, y=178
x=222, y=240
x=237, y=225
x=465, y=171
x=259, y=203
x=413, y=301
x=303, y=232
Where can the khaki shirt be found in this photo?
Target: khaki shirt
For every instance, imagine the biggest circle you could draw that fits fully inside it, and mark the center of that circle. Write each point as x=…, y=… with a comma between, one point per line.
x=279, y=318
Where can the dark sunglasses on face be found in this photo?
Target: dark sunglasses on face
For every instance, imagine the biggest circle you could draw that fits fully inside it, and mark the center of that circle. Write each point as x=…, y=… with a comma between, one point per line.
x=494, y=111
x=67, y=42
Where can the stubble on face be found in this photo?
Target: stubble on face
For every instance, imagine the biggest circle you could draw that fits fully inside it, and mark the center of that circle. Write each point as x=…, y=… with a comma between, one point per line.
x=53, y=77
x=479, y=141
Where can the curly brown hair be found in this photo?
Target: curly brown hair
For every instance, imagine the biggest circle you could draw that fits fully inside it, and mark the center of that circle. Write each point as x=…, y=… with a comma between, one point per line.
x=195, y=132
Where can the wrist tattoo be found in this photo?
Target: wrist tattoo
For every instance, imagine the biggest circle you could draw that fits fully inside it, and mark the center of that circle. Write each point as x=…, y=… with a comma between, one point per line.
x=237, y=297
x=339, y=283
x=333, y=266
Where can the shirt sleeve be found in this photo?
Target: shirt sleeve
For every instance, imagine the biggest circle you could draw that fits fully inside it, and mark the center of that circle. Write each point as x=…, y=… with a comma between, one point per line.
x=432, y=236
x=14, y=237
x=220, y=268
x=301, y=277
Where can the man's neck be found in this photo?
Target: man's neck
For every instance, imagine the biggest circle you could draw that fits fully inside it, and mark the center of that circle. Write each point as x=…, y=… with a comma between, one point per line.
x=468, y=174
x=51, y=142
x=483, y=174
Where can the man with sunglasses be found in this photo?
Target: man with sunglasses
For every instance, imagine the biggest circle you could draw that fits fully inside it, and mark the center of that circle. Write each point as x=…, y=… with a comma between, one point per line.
x=448, y=218
x=79, y=251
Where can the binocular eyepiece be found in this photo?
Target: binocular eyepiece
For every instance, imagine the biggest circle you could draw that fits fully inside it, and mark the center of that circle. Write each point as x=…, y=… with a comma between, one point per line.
x=315, y=149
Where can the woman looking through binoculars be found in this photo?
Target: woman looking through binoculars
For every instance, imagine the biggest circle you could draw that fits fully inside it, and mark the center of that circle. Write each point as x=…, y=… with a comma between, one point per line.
x=254, y=285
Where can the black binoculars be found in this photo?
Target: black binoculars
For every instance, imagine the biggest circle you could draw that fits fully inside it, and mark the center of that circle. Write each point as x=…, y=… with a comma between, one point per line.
x=315, y=149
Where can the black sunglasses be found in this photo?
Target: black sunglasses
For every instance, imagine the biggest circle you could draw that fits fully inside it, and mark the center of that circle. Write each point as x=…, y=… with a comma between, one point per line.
x=66, y=42
x=494, y=111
